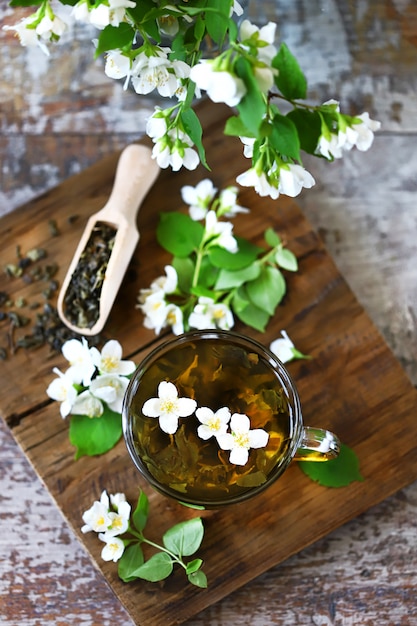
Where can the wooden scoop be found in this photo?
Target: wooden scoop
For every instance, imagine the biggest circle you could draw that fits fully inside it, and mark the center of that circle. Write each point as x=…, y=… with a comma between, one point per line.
x=136, y=173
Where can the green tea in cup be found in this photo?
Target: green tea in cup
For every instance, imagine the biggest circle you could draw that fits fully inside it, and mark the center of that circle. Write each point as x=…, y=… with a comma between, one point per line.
x=212, y=418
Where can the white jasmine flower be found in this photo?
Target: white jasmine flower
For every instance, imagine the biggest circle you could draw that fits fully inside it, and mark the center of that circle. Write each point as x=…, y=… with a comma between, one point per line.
x=109, y=361
x=259, y=181
x=236, y=8
x=155, y=310
x=221, y=232
x=228, y=205
x=241, y=439
x=265, y=76
x=117, y=498
x=27, y=35
x=199, y=198
x=167, y=283
x=365, y=131
x=292, y=179
x=87, y=404
x=111, y=389
x=212, y=424
x=168, y=24
x=97, y=517
x=168, y=407
x=331, y=146
x=62, y=389
x=119, y=522
x=210, y=314
x=50, y=27
x=78, y=354
x=248, y=143
x=263, y=38
x=117, y=66
x=174, y=319
x=283, y=348
x=81, y=12
x=158, y=72
x=221, y=86
x=114, y=548
x=156, y=126
x=175, y=152
x=111, y=13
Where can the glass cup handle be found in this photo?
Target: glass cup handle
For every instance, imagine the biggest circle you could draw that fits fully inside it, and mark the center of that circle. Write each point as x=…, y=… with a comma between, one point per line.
x=317, y=444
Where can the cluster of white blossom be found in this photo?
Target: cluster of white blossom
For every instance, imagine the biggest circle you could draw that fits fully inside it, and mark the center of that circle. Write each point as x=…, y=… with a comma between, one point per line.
x=93, y=377
x=360, y=135
x=109, y=517
x=152, y=67
x=168, y=408
x=157, y=302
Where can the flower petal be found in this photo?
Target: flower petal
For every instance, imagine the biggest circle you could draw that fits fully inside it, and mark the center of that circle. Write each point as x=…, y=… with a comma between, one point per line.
x=186, y=406
x=152, y=407
x=168, y=423
x=258, y=438
x=239, y=456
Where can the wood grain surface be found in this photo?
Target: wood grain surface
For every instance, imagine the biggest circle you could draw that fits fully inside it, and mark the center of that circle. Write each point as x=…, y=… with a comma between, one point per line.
x=364, y=209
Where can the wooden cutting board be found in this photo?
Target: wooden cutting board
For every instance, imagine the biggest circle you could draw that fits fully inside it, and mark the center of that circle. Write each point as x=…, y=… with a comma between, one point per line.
x=352, y=385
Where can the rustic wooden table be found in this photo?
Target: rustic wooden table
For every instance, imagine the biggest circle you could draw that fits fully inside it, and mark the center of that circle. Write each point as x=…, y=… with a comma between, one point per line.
x=62, y=114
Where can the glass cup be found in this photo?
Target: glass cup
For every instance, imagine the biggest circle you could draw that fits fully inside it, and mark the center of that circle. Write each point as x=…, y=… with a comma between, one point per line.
x=212, y=418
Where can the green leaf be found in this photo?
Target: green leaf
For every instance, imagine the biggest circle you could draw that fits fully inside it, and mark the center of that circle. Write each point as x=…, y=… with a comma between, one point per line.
x=179, y=234
x=141, y=10
x=115, y=37
x=208, y=273
x=184, y=538
x=217, y=21
x=338, y=472
x=193, y=128
x=26, y=3
x=272, y=238
x=236, y=128
x=249, y=313
x=267, y=291
x=199, y=579
x=246, y=254
x=131, y=559
x=308, y=124
x=284, y=137
x=97, y=435
x=185, y=271
x=286, y=259
x=290, y=80
x=229, y=279
x=141, y=512
x=193, y=566
x=158, y=567
x=252, y=107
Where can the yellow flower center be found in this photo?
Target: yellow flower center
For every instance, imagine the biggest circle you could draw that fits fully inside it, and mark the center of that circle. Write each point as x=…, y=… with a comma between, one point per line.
x=241, y=440
x=117, y=522
x=214, y=423
x=109, y=363
x=218, y=314
x=168, y=406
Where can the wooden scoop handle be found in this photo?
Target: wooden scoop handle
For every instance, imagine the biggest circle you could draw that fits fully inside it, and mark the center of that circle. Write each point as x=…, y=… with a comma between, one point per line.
x=135, y=173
